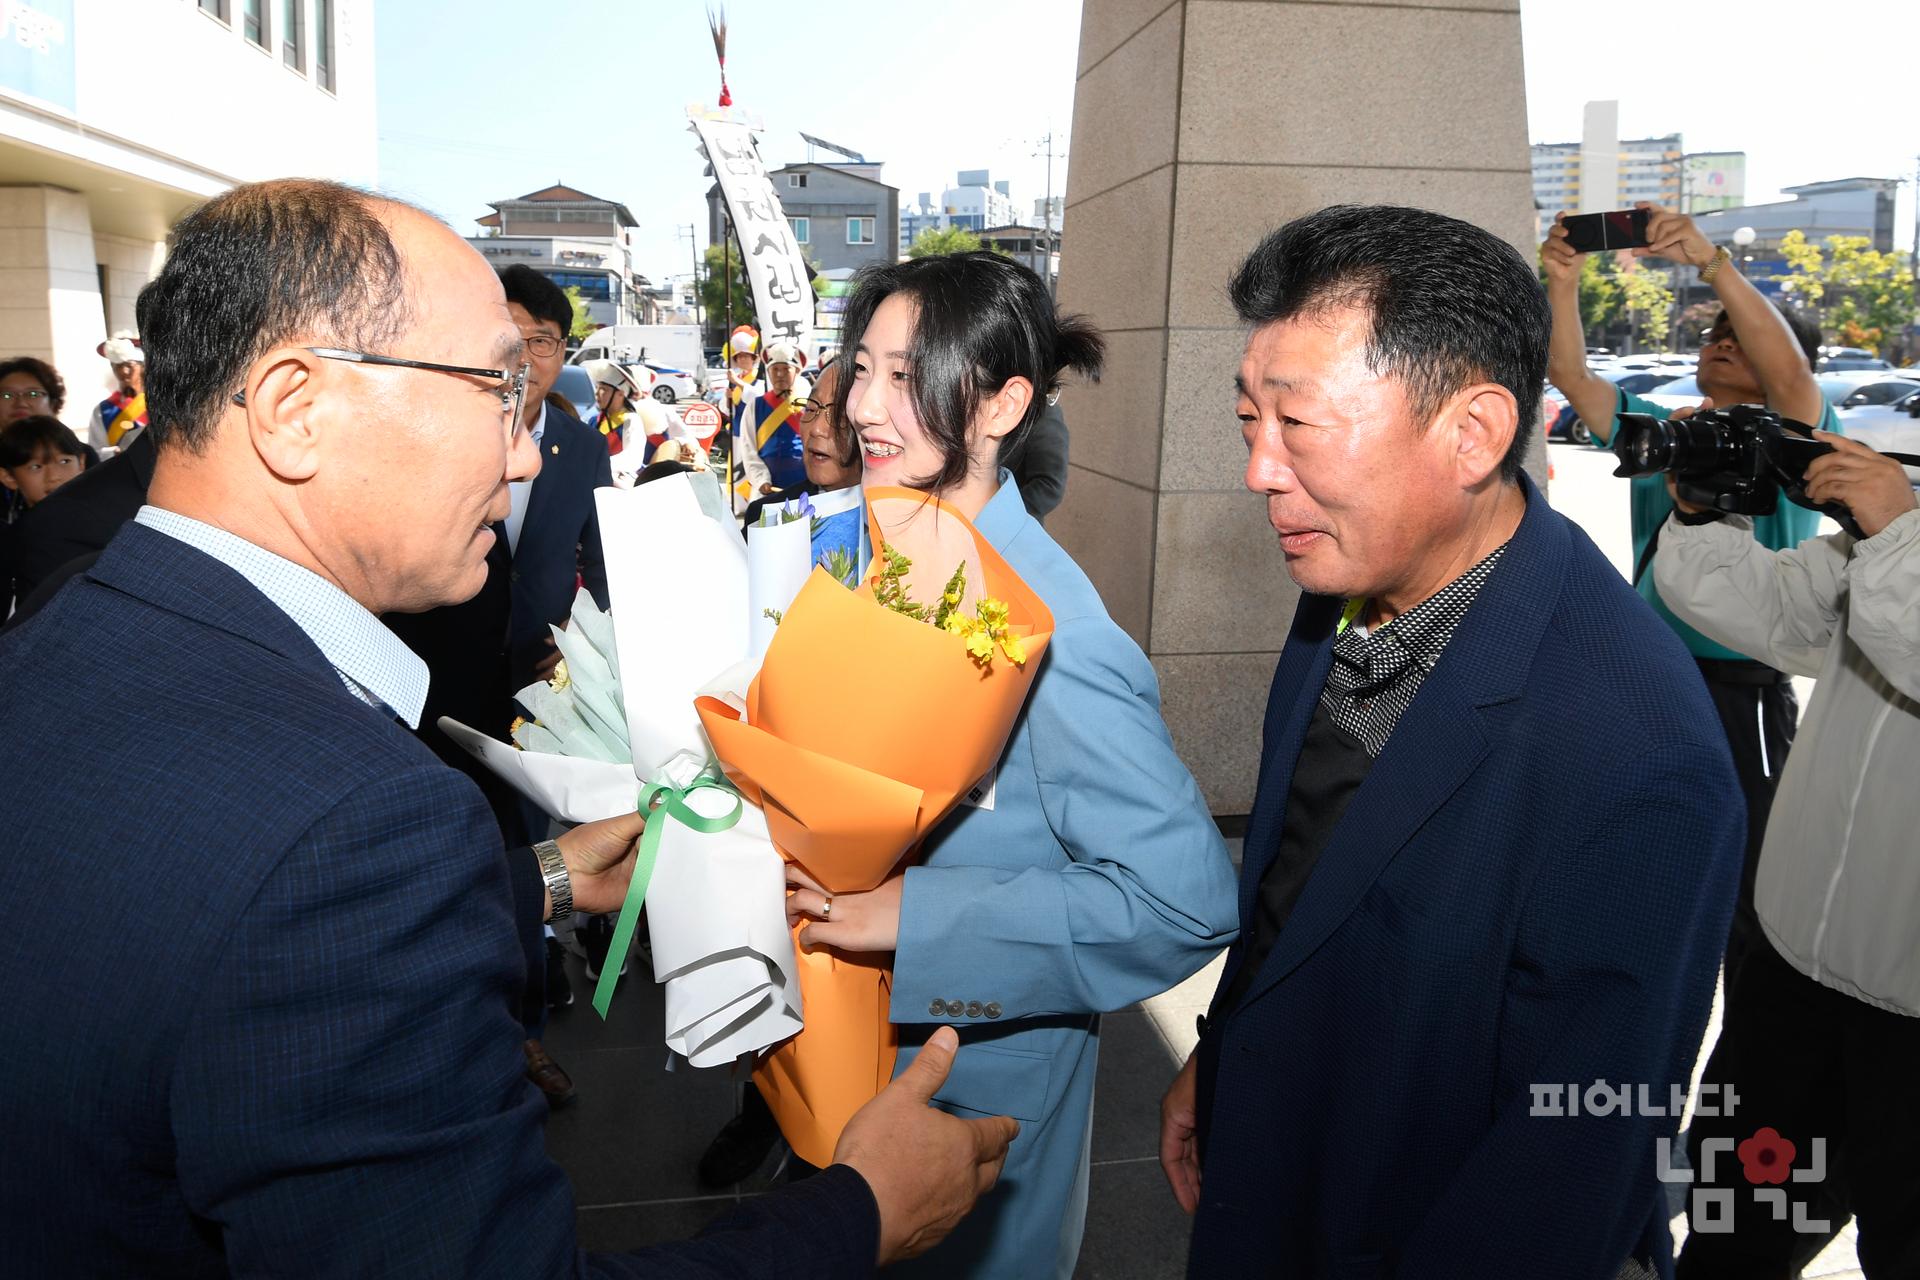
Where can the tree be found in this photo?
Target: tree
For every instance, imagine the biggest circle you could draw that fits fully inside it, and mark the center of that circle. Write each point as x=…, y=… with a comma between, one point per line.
x=1599, y=292
x=935, y=241
x=1649, y=304
x=714, y=298
x=1860, y=295
x=583, y=325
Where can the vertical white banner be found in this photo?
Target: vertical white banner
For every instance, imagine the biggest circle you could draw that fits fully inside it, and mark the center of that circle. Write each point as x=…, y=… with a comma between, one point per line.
x=776, y=269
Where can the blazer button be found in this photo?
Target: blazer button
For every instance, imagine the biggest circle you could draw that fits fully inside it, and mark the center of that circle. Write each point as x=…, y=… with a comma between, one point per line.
x=938, y=1008
x=973, y=1008
x=955, y=1008
x=993, y=1009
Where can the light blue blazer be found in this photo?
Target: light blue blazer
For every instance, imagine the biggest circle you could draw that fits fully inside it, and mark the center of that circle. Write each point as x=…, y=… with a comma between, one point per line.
x=1097, y=878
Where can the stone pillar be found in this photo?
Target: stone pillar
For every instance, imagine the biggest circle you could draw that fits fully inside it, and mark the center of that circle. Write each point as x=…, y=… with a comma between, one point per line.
x=50, y=290
x=1199, y=125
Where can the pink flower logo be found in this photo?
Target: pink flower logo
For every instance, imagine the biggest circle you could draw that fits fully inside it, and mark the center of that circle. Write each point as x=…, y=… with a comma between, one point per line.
x=1767, y=1156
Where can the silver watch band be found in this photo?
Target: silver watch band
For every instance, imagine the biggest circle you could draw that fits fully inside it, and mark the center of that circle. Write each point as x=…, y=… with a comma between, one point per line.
x=553, y=869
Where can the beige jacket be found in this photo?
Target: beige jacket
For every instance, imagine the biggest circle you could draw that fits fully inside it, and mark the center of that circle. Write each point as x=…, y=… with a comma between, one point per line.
x=1839, y=883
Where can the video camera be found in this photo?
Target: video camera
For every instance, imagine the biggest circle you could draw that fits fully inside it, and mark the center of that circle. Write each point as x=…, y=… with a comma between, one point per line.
x=1738, y=459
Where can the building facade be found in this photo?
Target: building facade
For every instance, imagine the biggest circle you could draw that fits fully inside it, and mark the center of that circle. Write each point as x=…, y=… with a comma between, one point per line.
x=975, y=202
x=1603, y=171
x=1030, y=246
x=578, y=241
x=119, y=116
x=843, y=215
x=1844, y=207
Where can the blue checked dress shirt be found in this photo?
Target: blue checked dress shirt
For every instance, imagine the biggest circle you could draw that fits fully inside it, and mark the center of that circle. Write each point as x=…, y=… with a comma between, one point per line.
x=369, y=659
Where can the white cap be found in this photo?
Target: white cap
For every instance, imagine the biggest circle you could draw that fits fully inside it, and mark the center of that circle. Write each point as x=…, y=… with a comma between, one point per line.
x=606, y=373
x=783, y=353
x=122, y=348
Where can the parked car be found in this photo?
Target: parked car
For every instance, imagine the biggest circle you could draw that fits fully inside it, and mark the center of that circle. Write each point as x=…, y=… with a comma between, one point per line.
x=1836, y=387
x=1837, y=364
x=1891, y=426
x=671, y=385
x=1568, y=426
x=577, y=386
x=1856, y=388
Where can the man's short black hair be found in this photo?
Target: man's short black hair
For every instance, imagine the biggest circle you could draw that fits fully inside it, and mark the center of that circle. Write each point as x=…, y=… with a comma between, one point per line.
x=262, y=265
x=27, y=439
x=542, y=298
x=45, y=374
x=1806, y=330
x=1451, y=304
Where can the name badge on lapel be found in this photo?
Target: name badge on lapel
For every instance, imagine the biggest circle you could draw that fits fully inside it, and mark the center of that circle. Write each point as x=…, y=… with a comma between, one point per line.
x=981, y=797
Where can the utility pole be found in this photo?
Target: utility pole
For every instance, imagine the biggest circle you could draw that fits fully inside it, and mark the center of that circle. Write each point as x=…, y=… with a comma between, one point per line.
x=689, y=232
x=1047, y=215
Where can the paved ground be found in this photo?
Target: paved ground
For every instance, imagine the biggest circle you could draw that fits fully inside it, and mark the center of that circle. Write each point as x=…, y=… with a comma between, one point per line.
x=631, y=1140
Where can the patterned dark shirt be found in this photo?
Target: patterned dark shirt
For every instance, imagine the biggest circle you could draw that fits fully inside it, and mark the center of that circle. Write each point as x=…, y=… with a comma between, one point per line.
x=1376, y=673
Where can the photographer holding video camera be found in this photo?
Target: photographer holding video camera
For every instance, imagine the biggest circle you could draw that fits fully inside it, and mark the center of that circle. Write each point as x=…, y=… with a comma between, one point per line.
x=1822, y=1030
x=1753, y=354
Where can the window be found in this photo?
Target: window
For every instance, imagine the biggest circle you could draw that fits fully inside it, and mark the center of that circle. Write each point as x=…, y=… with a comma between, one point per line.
x=214, y=9
x=597, y=288
x=254, y=22
x=802, y=229
x=860, y=230
x=293, y=34
x=323, y=44
x=796, y=179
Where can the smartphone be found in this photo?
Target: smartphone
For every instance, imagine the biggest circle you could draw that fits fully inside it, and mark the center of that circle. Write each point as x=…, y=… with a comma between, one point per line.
x=1621, y=229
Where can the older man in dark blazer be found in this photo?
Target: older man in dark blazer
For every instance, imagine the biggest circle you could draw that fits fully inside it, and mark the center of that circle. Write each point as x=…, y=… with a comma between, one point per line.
x=1497, y=836
x=290, y=1045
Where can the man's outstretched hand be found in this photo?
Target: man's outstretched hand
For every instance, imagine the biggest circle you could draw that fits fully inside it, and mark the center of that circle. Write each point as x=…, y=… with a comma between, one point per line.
x=925, y=1167
x=599, y=858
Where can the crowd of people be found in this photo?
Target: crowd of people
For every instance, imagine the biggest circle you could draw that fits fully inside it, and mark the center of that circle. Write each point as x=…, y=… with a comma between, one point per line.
x=335, y=497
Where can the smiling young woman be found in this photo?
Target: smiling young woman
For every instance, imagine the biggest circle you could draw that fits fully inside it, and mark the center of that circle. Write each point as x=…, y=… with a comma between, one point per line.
x=1087, y=873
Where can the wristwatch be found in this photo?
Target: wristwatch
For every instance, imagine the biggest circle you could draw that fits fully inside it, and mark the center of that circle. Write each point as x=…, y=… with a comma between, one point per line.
x=553, y=869
x=1720, y=259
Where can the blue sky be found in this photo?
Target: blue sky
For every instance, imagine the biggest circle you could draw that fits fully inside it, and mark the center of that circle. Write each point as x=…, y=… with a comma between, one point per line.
x=494, y=98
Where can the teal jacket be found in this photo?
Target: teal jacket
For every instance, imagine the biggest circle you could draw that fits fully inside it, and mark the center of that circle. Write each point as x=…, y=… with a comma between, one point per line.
x=1788, y=526
x=1096, y=878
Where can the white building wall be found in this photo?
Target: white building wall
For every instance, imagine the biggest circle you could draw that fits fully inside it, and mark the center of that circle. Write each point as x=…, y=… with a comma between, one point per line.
x=168, y=106
x=202, y=93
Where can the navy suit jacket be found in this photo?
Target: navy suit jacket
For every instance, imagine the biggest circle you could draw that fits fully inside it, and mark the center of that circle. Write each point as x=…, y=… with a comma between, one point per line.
x=1533, y=885
x=559, y=540
x=287, y=1041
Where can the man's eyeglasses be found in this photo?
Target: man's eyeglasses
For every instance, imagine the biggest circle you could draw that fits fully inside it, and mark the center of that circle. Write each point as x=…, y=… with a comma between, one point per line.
x=542, y=344
x=33, y=395
x=512, y=392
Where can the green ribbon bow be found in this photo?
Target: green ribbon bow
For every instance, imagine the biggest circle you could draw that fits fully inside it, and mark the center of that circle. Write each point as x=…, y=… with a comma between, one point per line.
x=660, y=800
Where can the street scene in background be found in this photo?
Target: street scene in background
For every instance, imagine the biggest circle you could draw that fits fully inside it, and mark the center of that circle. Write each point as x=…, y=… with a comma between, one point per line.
x=1093, y=638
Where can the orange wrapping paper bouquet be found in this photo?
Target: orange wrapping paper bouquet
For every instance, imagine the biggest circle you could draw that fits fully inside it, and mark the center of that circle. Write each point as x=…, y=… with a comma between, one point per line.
x=852, y=782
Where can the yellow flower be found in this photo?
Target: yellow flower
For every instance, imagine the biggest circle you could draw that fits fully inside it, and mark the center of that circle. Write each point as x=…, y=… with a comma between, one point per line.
x=1015, y=649
x=559, y=679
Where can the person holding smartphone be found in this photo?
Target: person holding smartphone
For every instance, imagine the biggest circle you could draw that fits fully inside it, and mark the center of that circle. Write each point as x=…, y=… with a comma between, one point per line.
x=1753, y=353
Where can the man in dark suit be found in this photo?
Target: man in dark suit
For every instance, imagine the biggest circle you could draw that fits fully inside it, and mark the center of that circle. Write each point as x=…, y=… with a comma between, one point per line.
x=554, y=527
x=1497, y=836
x=293, y=1047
